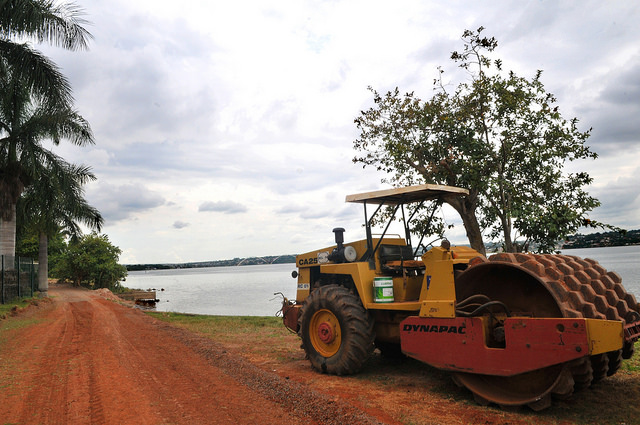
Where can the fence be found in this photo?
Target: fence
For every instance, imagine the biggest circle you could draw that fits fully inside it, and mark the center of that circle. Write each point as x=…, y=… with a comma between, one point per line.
x=18, y=278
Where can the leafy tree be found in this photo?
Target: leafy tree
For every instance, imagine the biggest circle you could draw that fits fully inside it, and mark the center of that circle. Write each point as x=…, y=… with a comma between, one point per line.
x=26, y=121
x=40, y=21
x=499, y=135
x=56, y=202
x=92, y=260
x=28, y=245
x=415, y=142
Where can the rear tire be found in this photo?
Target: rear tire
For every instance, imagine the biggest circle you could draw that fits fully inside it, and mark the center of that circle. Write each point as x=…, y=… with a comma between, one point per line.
x=336, y=331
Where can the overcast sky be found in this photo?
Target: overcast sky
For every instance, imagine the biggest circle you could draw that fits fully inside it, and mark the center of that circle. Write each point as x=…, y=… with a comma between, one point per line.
x=225, y=128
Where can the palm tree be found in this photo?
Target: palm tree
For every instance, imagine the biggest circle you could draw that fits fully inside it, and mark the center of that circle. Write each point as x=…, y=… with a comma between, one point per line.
x=26, y=120
x=40, y=21
x=55, y=202
x=35, y=98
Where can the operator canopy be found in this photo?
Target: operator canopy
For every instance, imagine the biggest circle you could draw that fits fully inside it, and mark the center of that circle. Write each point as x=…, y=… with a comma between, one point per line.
x=407, y=195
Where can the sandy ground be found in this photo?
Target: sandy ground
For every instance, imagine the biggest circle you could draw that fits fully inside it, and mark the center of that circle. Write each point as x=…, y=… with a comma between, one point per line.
x=90, y=360
x=82, y=358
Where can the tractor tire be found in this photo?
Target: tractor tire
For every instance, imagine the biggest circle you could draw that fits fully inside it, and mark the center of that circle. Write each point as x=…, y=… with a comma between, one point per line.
x=336, y=330
x=546, y=286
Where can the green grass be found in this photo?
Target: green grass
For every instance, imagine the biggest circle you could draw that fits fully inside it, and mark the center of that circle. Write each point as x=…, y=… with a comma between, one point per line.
x=225, y=328
x=5, y=309
x=236, y=323
x=633, y=364
x=263, y=337
x=15, y=322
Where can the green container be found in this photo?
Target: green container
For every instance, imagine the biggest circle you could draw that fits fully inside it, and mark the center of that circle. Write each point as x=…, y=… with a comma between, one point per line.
x=383, y=289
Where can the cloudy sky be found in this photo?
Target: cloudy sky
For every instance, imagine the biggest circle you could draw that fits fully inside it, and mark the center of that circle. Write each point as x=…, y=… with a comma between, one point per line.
x=225, y=128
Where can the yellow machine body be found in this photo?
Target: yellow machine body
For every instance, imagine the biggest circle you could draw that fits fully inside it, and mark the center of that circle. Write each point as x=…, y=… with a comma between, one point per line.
x=488, y=320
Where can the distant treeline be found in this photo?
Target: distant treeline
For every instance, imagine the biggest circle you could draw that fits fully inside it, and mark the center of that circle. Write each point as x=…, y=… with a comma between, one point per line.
x=593, y=240
x=251, y=261
x=632, y=237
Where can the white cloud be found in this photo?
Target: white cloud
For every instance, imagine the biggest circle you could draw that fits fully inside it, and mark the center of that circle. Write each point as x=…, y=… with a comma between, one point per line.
x=246, y=109
x=227, y=207
x=123, y=202
x=620, y=200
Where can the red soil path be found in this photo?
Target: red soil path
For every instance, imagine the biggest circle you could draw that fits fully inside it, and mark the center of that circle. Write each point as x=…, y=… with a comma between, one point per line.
x=90, y=360
x=83, y=359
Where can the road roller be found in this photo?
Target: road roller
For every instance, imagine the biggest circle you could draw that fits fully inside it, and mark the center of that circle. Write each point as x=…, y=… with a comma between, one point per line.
x=516, y=329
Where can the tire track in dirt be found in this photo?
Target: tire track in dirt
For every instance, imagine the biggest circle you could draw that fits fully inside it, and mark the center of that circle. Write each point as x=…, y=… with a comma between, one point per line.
x=293, y=395
x=214, y=387
x=57, y=393
x=52, y=384
x=90, y=360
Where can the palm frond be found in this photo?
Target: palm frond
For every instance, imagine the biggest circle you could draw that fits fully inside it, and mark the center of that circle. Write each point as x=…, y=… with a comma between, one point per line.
x=43, y=21
x=35, y=71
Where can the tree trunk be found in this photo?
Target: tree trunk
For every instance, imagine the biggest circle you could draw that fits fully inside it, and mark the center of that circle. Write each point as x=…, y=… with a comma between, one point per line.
x=506, y=232
x=43, y=265
x=466, y=207
x=8, y=238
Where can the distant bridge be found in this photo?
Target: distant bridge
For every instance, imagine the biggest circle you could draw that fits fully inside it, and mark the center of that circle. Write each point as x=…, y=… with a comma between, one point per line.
x=263, y=259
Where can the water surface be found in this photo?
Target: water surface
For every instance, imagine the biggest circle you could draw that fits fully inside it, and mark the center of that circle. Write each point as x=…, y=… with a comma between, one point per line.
x=249, y=290
x=228, y=291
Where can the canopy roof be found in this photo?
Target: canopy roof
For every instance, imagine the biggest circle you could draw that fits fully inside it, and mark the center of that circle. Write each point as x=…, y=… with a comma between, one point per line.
x=407, y=195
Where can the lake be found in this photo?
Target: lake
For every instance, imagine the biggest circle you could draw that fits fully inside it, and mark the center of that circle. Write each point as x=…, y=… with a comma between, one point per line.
x=249, y=290
x=225, y=291
x=624, y=260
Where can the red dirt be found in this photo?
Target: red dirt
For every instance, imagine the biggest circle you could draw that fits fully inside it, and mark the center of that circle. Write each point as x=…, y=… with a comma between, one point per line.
x=86, y=359
x=90, y=360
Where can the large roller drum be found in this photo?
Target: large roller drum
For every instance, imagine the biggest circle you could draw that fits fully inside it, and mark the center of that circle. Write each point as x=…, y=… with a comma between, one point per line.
x=546, y=286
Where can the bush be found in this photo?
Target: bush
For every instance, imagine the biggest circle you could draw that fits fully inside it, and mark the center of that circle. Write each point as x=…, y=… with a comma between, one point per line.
x=92, y=261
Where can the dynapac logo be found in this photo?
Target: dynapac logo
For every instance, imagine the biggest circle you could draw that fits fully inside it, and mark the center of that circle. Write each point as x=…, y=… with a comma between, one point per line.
x=434, y=328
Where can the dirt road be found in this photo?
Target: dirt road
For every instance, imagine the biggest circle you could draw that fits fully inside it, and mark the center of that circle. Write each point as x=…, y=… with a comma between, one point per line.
x=81, y=358
x=86, y=359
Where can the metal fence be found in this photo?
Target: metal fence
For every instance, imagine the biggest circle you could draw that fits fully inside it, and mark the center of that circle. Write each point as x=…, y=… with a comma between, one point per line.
x=18, y=278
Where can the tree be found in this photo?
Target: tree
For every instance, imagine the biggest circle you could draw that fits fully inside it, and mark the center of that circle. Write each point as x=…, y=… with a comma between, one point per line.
x=35, y=98
x=28, y=245
x=26, y=120
x=417, y=142
x=500, y=136
x=40, y=21
x=56, y=202
x=92, y=260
